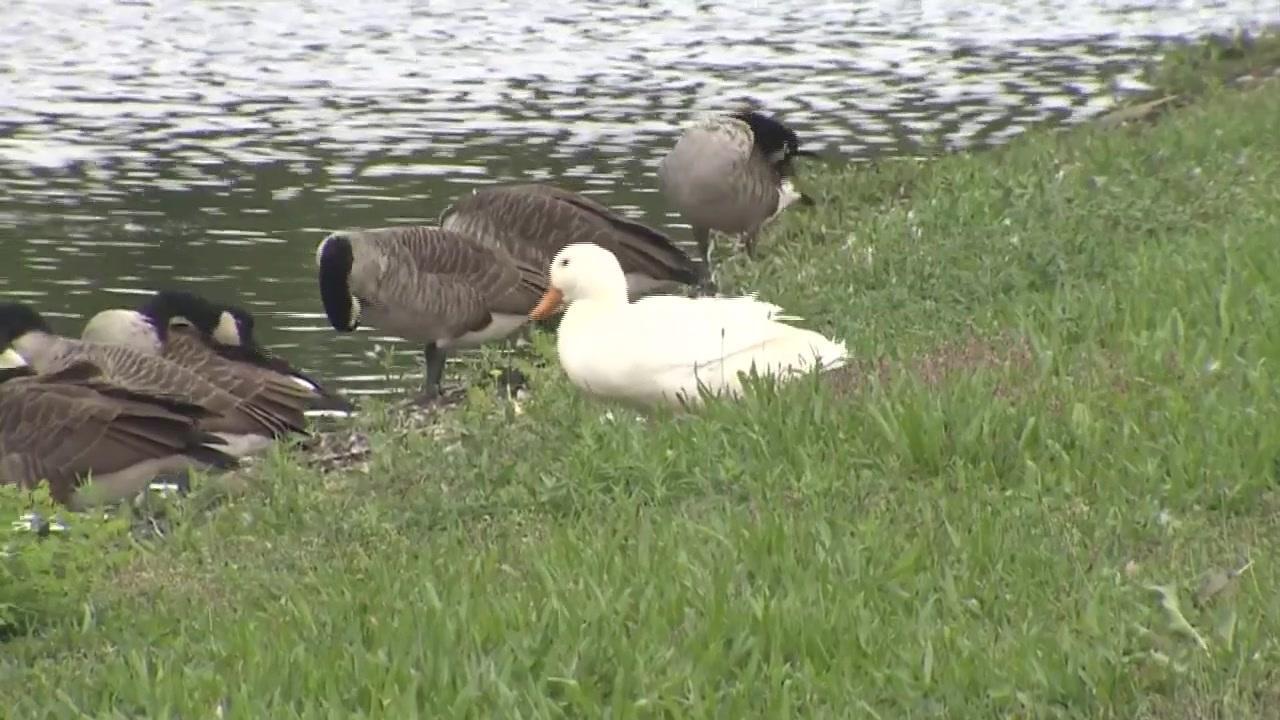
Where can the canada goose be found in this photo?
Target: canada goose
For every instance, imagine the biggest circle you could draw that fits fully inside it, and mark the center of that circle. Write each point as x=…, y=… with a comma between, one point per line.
x=237, y=341
x=72, y=426
x=216, y=342
x=534, y=221
x=732, y=173
x=245, y=426
x=425, y=284
x=178, y=340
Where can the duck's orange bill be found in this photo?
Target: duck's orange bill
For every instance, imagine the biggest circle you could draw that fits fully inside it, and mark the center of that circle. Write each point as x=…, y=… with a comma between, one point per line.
x=549, y=304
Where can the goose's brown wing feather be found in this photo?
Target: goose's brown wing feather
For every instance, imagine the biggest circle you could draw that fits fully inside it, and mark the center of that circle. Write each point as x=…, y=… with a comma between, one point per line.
x=534, y=221
x=63, y=432
x=717, y=179
x=85, y=374
x=150, y=375
x=638, y=247
x=261, y=357
x=284, y=400
x=447, y=279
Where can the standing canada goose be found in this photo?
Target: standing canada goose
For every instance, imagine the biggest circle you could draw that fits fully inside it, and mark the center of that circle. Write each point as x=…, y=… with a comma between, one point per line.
x=73, y=426
x=428, y=285
x=732, y=173
x=216, y=342
x=534, y=221
x=246, y=427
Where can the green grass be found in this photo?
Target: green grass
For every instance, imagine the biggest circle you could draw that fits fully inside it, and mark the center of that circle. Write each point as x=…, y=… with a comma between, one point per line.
x=1201, y=67
x=1065, y=398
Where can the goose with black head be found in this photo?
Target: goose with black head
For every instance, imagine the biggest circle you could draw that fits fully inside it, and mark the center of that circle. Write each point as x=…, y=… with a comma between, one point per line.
x=182, y=327
x=437, y=287
x=246, y=427
x=732, y=173
x=94, y=442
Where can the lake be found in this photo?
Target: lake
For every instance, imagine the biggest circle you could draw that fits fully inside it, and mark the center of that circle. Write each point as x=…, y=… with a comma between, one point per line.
x=212, y=145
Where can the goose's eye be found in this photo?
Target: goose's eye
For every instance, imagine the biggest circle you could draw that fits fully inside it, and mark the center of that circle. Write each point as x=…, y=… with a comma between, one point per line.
x=564, y=262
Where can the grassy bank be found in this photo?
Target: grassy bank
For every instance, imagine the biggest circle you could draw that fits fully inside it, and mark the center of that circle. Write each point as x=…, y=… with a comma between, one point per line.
x=1030, y=498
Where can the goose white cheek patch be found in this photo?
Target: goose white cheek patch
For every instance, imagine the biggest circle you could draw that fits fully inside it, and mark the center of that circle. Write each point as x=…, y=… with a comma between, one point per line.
x=227, y=332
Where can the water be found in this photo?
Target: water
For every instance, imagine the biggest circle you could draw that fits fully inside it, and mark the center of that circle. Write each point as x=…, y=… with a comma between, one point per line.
x=213, y=144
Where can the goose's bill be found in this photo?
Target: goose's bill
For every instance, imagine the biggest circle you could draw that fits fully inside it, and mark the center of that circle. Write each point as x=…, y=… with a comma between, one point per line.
x=549, y=304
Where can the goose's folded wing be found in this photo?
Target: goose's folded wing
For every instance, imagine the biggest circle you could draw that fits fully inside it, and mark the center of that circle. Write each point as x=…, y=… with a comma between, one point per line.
x=452, y=281
x=638, y=247
x=270, y=394
x=135, y=371
x=709, y=150
x=152, y=375
x=533, y=221
x=60, y=433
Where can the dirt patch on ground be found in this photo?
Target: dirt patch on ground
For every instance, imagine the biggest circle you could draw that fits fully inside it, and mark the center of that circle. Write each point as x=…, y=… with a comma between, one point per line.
x=1007, y=353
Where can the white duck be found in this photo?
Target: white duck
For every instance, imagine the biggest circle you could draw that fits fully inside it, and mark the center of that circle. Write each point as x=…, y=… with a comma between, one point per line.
x=660, y=348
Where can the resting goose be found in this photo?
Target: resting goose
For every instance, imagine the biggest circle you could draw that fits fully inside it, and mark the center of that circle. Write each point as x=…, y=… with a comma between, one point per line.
x=217, y=343
x=732, y=173
x=236, y=340
x=428, y=285
x=246, y=427
x=180, y=342
x=72, y=427
x=659, y=349
x=534, y=221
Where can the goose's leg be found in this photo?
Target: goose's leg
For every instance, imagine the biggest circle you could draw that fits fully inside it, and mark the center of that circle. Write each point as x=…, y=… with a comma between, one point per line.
x=749, y=242
x=702, y=236
x=435, y=357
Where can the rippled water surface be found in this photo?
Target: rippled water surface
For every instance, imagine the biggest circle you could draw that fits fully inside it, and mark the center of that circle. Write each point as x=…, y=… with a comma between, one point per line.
x=213, y=144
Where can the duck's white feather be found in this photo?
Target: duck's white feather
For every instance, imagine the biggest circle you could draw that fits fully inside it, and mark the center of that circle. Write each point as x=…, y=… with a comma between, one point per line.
x=662, y=348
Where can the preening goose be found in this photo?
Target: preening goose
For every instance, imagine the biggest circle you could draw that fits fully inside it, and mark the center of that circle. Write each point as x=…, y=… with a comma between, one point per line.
x=246, y=427
x=429, y=285
x=210, y=340
x=534, y=221
x=661, y=348
x=732, y=173
x=72, y=427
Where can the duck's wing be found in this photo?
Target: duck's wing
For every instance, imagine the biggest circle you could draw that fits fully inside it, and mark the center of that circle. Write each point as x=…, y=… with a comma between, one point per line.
x=673, y=333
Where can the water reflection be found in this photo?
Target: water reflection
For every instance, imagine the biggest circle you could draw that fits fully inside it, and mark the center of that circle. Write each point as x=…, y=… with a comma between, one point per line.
x=213, y=144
